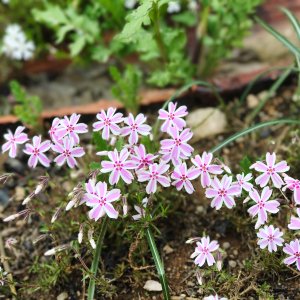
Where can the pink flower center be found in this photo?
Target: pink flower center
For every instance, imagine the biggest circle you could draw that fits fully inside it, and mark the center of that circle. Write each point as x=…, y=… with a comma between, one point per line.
x=70, y=128
x=35, y=151
x=67, y=153
x=222, y=192
x=183, y=177
x=241, y=182
x=271, y=238
x=101, y=201
x=203, y=167
x=134, y=127
x=297, y=254
x=177, y=142
x=118, y=165
x=296, y=184
x=153, y=175
x=261, y=204
x=205, y=250
x=13, y=139
x=271, y=170
x=171, y=116
x=107, y=122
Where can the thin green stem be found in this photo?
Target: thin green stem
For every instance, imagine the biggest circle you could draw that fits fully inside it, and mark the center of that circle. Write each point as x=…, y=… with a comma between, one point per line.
x=96, y=259
x=158, y=263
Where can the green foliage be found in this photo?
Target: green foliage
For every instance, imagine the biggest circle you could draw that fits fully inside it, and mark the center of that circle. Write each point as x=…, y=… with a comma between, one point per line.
x=224, y=24
x=245, y=164
x=127, y=86
x=28, y=108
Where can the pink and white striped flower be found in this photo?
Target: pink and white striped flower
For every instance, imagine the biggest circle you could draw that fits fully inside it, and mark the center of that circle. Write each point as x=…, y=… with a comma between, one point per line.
x=205, y=168
x=53, y=130
x=222, y=192
x=176, y=147
x=108, y=122
x=118, y=166
x=100, y=201
x=243, y=182
x=295, y=221
x=293, y=185
x=173, y=117
x=270, y=237
x=72, y=128
x=154, y=175
x=90, y=188
x=36, y=151
x=183, y=177
x=203, y=251
x=13, y=139
x=141, y=158
x=67, y=152
x=262, y=205
x=141, y=213
x=270, y=170
x=135, y=127
x=293, y=250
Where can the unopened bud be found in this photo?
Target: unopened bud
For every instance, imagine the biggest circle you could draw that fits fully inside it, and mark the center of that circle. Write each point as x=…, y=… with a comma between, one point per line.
x=246, y=200
x=4, y=177
x=19, y=214
x=125, y=206
x=80, y=234
x=199, y=277
x=193, y=240
x=28, y=199
x=39, y=238
x=113, y=141
x=91, y=239
x=56, y=214
x=102, y=153
x=57, y=249
x=70, y=205
x=38, y=188
x=219, y=261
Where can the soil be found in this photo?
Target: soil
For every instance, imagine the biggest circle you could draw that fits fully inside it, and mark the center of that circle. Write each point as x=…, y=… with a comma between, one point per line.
x=246, y=272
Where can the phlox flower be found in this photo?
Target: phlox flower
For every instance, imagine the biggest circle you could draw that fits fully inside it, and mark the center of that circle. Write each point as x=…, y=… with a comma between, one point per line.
x=270, y=237
x=177, y=145
x=36, y=151
x=53, y=130
x=108, y=122
x=214, y=297
x=293, y=185
x=118, y=166
x=13, y=139
x=293, y=250
x=135, y=127
x=140, y=210
x=153, y=175
x=173, y=7
x=141, y=158
x=205, y=168
x=243, y=181
x=295, y=221
x=173, y=117
x=90, y=188
x=262, y=205
x=67, y=152
x=100, y=201
x=130, y=4
x=222, y=192
x=182, y=177
x=203, y=251
x=71, y=127
x=270, y=170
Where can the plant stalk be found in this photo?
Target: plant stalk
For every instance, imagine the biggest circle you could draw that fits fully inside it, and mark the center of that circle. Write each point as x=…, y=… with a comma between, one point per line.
x=96, y=259
x=158, y=264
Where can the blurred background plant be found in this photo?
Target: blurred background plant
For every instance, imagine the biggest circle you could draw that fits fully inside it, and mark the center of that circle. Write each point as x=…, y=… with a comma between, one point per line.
x=171, y=41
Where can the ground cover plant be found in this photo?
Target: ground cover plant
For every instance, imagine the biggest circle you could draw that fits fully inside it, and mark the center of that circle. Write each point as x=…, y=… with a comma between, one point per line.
x=135, y=168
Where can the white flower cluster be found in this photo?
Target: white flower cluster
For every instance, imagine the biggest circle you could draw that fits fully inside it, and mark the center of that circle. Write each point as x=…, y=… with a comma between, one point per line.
x=15, y=44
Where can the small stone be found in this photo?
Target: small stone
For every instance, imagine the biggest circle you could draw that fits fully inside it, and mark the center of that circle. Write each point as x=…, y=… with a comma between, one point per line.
x=199, y=209
x=182, y=296
x=14, y=165
x=206, y=122
x=167, y=249
x=226, y=245
x=4, y=199
x=190, y=283
x=62, y=296
x=232, y=263
x=152, y=286
x=252, y=101
x=235, y=252
x=19, y=193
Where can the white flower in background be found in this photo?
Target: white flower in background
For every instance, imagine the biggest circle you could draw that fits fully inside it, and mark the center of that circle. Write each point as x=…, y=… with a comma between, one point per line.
x=173, y=7
x=130, y=4
x=193, y=5
x=5, y=1
x=15, y=44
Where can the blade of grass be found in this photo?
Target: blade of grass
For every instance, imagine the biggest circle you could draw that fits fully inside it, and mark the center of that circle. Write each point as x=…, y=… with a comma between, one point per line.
x=294, y=49
x=270, y=93
x=96, y=259
x=251, y=129
x=293, y=20
x=158, y=263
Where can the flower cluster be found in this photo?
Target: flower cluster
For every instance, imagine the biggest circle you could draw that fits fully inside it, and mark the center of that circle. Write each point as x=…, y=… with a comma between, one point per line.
x=16, y=45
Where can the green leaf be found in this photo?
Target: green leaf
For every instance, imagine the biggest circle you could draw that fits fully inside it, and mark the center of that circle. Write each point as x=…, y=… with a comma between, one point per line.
x=245, y=164
x=293, y=20
x=52, y=15
x=101, y=54
x=186, y=18
x=95, y=166
x=77, y=45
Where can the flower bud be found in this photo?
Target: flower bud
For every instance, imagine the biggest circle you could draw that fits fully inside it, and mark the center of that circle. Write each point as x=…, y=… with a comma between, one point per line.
x=80, y=234
x=70, y=205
